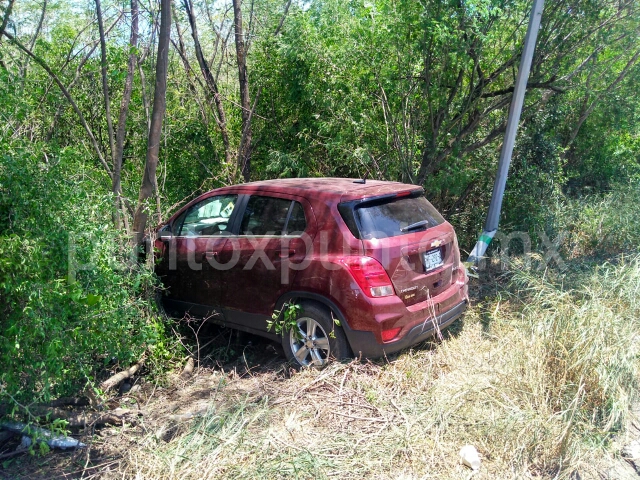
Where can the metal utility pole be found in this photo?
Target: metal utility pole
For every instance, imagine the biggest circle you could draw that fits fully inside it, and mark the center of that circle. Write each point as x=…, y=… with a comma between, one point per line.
x=493, y=217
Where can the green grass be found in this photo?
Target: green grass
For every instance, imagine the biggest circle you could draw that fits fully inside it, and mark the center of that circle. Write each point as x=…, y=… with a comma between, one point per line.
x=539, y=378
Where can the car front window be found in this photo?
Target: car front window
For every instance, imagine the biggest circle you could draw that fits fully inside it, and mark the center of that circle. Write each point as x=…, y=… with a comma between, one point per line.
x=208, y=217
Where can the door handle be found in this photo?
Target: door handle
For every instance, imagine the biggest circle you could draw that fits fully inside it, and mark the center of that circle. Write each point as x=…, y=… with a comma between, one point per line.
x=286, y=252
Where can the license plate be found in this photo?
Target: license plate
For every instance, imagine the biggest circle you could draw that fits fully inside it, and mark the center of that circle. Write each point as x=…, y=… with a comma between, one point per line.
x=432, y=259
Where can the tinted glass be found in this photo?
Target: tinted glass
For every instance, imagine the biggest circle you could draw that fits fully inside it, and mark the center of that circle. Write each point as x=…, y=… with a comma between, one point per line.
x=297, y=221
x=265, y=216
x=390, y=218
x=208, y=217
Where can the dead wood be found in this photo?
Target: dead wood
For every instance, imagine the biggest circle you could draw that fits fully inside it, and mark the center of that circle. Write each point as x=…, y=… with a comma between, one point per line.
x=187, y=371
x=119, y=377
x=82, y=419
x=183, y=417
x=113, y=417
x=68, y=401
x=14, y=453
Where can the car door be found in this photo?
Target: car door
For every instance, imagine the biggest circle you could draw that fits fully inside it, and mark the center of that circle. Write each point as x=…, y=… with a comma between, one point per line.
x=189, y=259
x=274, y=235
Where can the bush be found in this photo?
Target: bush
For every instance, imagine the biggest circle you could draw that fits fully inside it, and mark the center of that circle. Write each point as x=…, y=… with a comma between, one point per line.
x=71, y=302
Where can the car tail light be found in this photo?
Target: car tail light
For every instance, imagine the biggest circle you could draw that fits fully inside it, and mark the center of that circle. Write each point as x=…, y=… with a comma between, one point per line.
x=403, y=194
x=390, y=334
x=371, y=277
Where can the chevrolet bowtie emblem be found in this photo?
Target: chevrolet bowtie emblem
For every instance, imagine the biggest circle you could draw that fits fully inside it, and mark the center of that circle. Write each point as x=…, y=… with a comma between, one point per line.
x=436, y=243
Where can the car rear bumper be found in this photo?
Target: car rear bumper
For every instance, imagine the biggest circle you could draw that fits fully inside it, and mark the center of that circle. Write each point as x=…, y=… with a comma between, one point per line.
x=364, y=344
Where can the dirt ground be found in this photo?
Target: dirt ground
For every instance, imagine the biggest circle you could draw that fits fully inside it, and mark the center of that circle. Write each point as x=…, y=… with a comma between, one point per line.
x=253, y=368
x=246, y=365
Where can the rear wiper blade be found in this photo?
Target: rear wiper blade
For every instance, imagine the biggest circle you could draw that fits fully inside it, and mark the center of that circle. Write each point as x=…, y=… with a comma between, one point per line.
x=414, y=226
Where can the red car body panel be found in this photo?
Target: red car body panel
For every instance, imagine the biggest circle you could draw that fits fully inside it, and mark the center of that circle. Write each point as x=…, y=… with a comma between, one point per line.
x=270, y=270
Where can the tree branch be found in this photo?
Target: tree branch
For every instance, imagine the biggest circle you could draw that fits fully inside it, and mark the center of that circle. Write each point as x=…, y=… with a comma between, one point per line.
x=66, y=93
x=105, y=83
x=4, y=24
x=586, y=112
x=284, y=15
x=122, y=118
x=221, y=119
x=531, y=85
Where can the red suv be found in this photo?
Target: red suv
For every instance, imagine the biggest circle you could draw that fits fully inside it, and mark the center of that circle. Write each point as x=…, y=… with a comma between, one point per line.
x=373, y=266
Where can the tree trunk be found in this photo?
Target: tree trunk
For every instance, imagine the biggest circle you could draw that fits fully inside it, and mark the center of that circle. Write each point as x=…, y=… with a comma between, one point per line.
x=25, y=67
x=67, y=95
x=122, y=119
x=221, y=118
x=244, y=149
x=149, y=181
x=105, y=83
x=3, y=26
x=191, y=77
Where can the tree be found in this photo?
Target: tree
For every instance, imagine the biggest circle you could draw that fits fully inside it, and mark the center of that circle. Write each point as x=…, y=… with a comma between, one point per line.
x=122, y=119
x=149, y=181
x=211, y=82
x=244, y=147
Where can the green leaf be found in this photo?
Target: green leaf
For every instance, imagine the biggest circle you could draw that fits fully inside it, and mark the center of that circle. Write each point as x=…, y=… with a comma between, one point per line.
x=93, y=299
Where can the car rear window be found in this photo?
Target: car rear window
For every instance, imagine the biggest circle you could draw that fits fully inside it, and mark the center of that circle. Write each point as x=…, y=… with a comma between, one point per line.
x=265, y=216
x=392, y=217
x=297, y=221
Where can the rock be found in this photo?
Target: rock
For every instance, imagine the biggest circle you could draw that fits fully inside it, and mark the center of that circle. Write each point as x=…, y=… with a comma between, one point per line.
x=25, y=442
x=470, y=457
x=631, y=453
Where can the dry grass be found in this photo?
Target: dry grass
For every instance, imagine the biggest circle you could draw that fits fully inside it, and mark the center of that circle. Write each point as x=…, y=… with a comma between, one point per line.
x=537, y=378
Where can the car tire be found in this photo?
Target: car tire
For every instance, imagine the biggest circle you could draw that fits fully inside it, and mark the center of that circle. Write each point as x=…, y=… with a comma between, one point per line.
x=320, y=339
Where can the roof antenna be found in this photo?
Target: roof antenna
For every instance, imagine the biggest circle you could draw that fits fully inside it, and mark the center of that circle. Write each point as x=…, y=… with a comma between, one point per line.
x=363, y=180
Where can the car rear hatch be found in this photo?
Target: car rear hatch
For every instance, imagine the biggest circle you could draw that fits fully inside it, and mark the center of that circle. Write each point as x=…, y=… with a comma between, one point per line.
x=406, y=234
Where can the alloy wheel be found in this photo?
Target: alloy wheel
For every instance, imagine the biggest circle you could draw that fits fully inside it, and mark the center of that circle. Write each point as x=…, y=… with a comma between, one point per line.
x=310, y=344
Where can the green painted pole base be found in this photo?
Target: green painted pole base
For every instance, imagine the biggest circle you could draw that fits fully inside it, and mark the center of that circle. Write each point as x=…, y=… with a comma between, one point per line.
x=481, y=247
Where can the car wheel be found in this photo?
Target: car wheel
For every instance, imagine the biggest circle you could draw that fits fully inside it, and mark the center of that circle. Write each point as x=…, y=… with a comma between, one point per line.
x=316, y=340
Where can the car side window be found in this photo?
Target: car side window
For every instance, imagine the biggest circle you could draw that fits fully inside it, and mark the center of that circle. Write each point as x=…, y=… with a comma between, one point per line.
x=265, y=216
x=208, y=217
x=297, y=221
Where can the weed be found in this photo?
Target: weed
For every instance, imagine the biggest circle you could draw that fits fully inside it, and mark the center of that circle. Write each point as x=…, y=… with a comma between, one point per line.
x=285, y=319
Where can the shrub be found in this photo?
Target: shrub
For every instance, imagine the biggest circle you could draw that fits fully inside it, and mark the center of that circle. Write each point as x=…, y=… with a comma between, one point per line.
x=71, y=301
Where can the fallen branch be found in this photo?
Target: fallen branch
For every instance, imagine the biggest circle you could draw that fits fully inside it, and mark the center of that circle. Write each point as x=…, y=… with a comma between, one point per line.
x=82, y=419
x=183, y=417
x=14, y=453
x=188, y=369
x=68, y=401
x=111, y=382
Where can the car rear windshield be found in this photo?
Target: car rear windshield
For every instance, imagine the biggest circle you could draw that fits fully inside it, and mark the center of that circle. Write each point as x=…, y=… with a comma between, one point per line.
x=390, y=217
